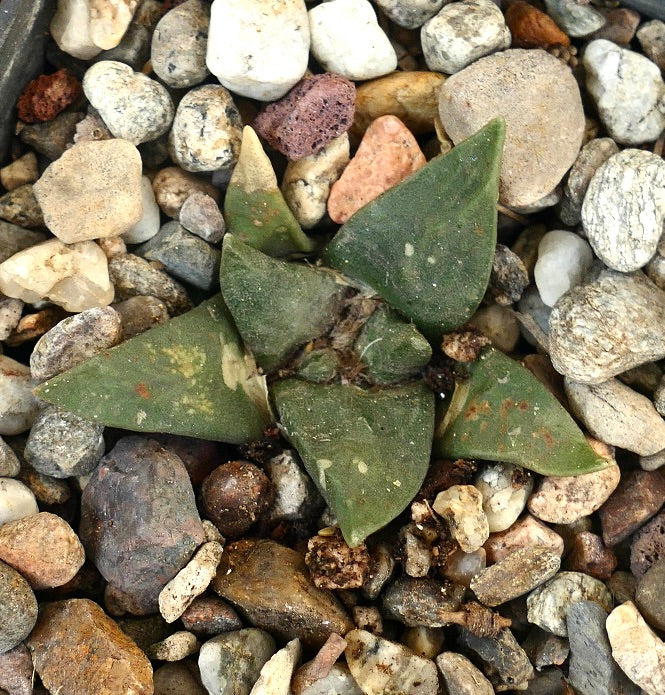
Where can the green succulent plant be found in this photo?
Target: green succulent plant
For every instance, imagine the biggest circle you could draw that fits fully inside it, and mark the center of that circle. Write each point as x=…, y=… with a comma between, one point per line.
x=335, y=351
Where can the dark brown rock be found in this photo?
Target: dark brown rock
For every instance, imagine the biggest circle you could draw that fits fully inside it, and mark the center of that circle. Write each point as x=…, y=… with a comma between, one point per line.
x=317, y=110
x=139, y=522
x=639, y=495
x=422, y=602
x=648, y=545
x=47, y=95
x=235, y=495
x=333, y=564
x=589, y=555
x=51, y=138
x=271, y=587
x=200, y=456
x=78, y=649
x=208, y=616
x=16, y=671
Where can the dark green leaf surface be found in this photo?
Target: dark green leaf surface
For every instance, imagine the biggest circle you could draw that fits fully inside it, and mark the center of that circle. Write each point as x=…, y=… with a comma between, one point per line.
x=503, y=413
x=368, y=451
x=426, y=245
x=190, y=376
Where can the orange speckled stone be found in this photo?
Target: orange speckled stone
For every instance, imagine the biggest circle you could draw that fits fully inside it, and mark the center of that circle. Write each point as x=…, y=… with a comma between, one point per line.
x=387, y=154
x=531, y=28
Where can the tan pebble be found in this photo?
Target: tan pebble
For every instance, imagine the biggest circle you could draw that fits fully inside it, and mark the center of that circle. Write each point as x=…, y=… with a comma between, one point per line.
x=173, y=186
x=462, y=508
x=526, y=532
x=387, y=154
x=19, y=172
x=175, y=647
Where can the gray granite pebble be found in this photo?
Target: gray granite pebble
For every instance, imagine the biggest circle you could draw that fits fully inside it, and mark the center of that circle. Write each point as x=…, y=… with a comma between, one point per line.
x=74, y=340
x=574, y=18
x=230, y=663
x=62, y=445
x=10, y=314
x=179, y=45
x=9, y=463
x=585, y=323
x=410, y=14
x=201, y=215
x=592, y=669
x=133, y=276
x=184, y=255
x=624, y=209
x=206, y=130
x=18, y=608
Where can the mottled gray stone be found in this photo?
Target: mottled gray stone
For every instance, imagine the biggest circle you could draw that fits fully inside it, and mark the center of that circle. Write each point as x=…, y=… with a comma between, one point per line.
x=184, y=255
x=16, y=671
x=10, y=314
x=574, y=18
x=201, y=215
x=605, y=327
x=18, y=608
x=410, y=14
x=62, y=445
x=20, y=207
x=624, y=209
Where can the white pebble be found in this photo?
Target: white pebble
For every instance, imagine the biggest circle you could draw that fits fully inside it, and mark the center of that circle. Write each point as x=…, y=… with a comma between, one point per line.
x=462, y=508
x=505, y=490
x=18, y=404
x=16, y=501
x=149, y=224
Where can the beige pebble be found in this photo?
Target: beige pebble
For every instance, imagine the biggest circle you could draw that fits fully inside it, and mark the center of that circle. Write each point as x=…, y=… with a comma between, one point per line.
x=499, y=324
x=462, y=508
x=526, y=532
x=172, y=187
x=21, y=171
x=175, y=647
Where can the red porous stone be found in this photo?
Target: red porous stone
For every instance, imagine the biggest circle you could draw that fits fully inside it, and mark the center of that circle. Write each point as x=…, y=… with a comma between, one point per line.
x=47, y=95
x=316, y=111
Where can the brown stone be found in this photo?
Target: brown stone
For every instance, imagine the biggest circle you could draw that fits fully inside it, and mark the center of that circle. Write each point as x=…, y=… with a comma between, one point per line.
x=76, y=648
x=648, y=545
x=387, y=154
x=620, y=26
x=524, y=533
x=589, y=555
x=16, y=672
x=333, y=564
x=172, y=187
x=531, y=28
x=638, y=497
x=316, y=111
x=43, y=548
x=47, y=95
x=209, y=616
x=270, y=585
x=33, y=326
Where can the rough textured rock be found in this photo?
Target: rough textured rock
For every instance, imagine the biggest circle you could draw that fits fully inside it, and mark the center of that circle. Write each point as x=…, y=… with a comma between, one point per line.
x=43, y=548
x=519, y=85
x=9, y=463
x=317, y=110
x=270, y=585
x=92, y=191
x=77, y=648
x=20, y=207
x=628, y=90
x=16, y=672
x=461, y=676
x=140, y=553
x=648, y=545
x=461, y=507
x=133, y=106
x=588, y=555
x=461, y=33
x=175, y=647
x=257, y=51
x=18, y=608
x=201, y=215
x=624, y=209
x=548, y=604
x=636, y=648
x=649, y=595
x=206, y=130
x=651, y=36
x=422, y=602
x=605, y=327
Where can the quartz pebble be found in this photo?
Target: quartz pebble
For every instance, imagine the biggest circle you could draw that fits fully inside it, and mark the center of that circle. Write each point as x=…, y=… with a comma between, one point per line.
x=190, y=582
x=92, y=191
x=179, y=42
x=564, y=259
x=201, y=215
x=140, y=554
x=380, y=666
x=649, y=595
x=586, y=321
x=591, y=156
x=173, y=186
x=135, y=277
x=74, y=340
x=175, y=647
x=258, y=51
x=648, y=545
x=548, y=604
x=505, y=489
x=276, y=673
x=515, y=575
x=347, y=39
x=16, y=672
x=43, y=548
x=70, y=28
x=624, y=209
x=16, y=501
x=526, y=532
x=638, y=497
x=387, y=154
x=636, y=648
x=461, y=676
x=18, y=608
x=461, y=33
x=184, y=255
x=628, y=90
x=18, y=404
x=651, y=36
x=461, y=507
x=63, y=445
x=410, y=14
x=206, y=130
x=148, y=225
x=9, y=463
x=307, y=182
x=231, y=663
x=133, y=106
x=616, y=414
x=73, y=645
x=574, y=18
x=520, y=85
x=316, y=111
x=592, y=669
